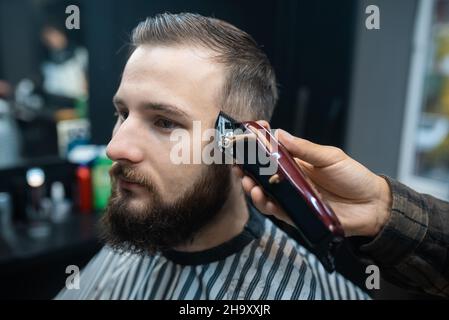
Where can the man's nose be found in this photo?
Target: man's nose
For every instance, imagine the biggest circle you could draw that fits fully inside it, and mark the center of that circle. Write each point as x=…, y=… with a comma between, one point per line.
x=124, y=145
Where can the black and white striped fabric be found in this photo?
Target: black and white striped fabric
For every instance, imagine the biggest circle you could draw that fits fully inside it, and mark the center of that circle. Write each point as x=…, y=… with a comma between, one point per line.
x=260, y=263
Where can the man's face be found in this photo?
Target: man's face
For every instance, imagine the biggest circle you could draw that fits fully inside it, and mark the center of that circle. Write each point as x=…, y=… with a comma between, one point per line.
x=155, y=203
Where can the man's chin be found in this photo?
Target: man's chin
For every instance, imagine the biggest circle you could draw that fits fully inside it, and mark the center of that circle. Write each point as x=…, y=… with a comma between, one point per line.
x=135, y=204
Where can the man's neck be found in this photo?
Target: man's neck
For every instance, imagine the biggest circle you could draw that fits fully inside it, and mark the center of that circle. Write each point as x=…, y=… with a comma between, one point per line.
x=229, y=222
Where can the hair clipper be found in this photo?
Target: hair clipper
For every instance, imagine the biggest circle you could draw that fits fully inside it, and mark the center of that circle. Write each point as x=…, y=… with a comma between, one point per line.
x=267, y=161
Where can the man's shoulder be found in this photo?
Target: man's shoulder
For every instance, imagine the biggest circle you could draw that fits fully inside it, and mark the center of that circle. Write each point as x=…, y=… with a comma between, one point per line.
x=276, y=239
x=293, y=261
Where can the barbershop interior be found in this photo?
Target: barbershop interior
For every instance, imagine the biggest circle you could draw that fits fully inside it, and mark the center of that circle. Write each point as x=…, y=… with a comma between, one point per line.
x=368, y=81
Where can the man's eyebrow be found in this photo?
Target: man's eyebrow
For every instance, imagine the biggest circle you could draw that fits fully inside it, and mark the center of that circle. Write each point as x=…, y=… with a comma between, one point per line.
x=156, y=106
x=165, y=108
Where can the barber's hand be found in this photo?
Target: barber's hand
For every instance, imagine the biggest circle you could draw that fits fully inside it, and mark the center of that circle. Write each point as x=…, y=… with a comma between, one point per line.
x=360, y=198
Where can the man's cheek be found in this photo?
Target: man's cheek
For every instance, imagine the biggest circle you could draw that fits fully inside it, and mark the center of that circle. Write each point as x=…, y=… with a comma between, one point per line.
x=177, y=178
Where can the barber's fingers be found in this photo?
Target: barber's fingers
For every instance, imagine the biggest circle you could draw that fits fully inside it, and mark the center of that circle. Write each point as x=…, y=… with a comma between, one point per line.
x=315, y=154
x=260, y=200
x=264, y=124
x=238, y=171
x=248, y=184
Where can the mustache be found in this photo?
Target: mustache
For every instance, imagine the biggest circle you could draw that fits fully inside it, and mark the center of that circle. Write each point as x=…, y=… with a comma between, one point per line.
x=130, y=174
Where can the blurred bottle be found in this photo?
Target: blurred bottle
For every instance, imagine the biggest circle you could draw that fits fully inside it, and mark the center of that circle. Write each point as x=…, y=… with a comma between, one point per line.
x=26, y=97
x=81, y=107
x=84, y=188
x=37, y=206
x=7, y=231
x=5, y=213
x=60, y=205
x=101, y=180
x=10, y=137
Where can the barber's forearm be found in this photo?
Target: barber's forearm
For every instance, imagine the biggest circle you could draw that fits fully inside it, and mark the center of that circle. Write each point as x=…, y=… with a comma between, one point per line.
x=412, y=246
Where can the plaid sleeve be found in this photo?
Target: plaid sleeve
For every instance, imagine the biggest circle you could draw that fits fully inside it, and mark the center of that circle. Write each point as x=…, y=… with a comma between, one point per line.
x=412, y=250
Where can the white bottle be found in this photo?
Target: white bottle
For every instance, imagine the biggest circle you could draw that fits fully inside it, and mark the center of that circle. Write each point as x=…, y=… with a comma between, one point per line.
x=9, y=136
x=60, y=205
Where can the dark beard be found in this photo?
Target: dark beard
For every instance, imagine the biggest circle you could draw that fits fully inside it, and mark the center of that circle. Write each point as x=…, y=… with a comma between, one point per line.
x=159, y=226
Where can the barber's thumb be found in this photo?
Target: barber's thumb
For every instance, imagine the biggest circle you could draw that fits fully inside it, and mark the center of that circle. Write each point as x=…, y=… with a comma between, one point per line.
x=312, y=153
x=283, y=135
x=296, y=146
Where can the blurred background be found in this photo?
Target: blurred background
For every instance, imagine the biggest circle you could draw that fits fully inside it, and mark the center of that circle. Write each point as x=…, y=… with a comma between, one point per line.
x=381, y=95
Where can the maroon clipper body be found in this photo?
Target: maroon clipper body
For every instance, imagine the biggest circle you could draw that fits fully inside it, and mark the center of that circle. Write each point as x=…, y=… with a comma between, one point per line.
x=285, y=183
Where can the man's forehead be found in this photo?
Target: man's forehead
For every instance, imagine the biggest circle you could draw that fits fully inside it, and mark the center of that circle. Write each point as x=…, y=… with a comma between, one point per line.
x=186, y=73
x=190, y=62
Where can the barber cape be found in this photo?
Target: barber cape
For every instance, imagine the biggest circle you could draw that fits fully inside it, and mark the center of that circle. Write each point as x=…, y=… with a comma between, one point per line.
x=262, y=262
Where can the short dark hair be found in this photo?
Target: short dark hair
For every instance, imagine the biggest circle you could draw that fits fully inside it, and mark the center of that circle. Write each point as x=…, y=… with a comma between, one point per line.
x=250, y=91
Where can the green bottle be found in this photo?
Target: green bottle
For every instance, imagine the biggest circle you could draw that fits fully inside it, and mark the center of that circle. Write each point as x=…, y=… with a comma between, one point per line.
x=101, y=180
x=81, y=107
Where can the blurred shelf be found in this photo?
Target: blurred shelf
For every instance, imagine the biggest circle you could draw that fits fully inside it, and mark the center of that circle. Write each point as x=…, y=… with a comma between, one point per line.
x=75, y=232
x=35, y=268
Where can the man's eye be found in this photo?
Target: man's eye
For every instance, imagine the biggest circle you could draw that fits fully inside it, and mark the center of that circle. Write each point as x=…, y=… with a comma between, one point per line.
x=166, y=124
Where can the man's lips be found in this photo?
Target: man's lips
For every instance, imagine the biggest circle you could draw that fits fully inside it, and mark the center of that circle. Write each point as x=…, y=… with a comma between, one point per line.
x=129, y=184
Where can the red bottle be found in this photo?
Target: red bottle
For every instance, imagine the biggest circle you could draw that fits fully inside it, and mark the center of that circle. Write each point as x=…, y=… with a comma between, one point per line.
x=84, y=186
